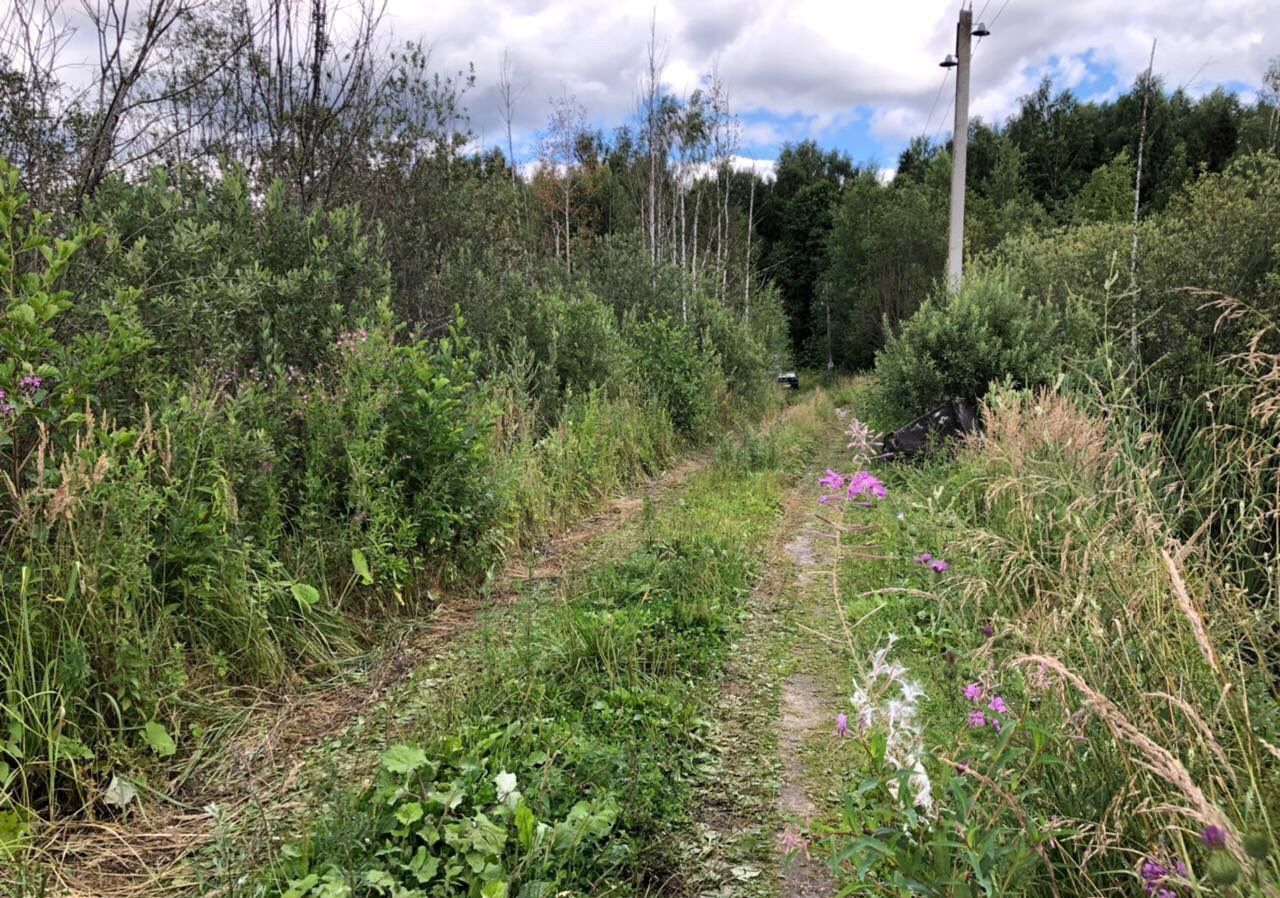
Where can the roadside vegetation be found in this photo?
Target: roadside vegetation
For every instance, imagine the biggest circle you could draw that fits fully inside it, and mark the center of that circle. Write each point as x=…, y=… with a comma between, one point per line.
x=289, y=369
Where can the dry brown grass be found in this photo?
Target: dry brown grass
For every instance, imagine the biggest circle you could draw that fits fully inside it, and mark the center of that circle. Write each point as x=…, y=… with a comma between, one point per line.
x=1115, y=616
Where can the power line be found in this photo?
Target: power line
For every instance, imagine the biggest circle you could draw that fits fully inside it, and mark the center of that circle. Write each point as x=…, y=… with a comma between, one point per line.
x=946, y=73
x=997, y=18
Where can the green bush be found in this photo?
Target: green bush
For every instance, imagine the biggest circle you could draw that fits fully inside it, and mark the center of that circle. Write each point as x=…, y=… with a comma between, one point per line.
x=955, y=346
x=225, y=282
x=682, y=379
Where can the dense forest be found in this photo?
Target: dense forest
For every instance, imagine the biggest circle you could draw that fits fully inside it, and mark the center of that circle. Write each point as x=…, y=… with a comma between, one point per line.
x=287, y=355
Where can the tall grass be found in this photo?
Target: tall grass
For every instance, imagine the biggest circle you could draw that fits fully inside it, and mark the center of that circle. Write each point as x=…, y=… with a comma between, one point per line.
x=1138, y=644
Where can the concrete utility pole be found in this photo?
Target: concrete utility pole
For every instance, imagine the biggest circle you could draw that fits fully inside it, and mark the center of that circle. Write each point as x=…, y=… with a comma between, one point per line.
x=960, y=149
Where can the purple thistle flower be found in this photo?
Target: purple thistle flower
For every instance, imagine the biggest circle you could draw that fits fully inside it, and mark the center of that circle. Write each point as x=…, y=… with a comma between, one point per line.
x=988, y=631
x=940, y=567
x=842, y=725
x=1214, y=836
x=1153, y=874
x=1180, y=868
x=29, y=384
x=997, y=704
x=973, y=692
x=923, y=558
x=977, y=719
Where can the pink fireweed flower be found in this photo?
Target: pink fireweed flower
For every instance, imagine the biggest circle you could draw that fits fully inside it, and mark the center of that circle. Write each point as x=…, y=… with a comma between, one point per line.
x=865, y=484
x=973, y=692
x=832, y=481
x=997, y=704
x=825, y=499
x=977, y=719
x=842, y=725
x=939, y=567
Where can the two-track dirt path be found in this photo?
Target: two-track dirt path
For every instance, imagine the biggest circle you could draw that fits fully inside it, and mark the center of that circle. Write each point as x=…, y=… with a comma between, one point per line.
x=775, y=713
x=259, y=771
x=776, y=717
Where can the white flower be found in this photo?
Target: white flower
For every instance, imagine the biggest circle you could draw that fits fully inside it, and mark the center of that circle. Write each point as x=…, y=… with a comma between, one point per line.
x=922, y=787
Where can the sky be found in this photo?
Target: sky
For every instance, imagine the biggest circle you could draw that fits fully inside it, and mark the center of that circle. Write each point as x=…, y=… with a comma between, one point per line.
x=854, y=75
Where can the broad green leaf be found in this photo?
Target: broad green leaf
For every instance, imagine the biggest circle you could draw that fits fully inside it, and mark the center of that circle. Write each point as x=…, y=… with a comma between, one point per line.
x=494, y=888
x=305, y=595
x=360, y=564
x=409, y=814
x=525, y=825
x=300, y=887
x=158, y=738
x=403, y=758
x=14, y=830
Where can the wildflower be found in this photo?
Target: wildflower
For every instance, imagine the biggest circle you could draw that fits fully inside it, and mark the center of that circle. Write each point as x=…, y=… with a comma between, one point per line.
x=793, y=840
x=997, y=704
x=988, y=631
x=902, y=516
x=842, y=724
x=977, y=719
x=866, y=484
x=911, y=691
x=860, y=440
x=824, y=499
x=29, y=384
x=923, y=558
x=1214, y=836
x=832, y=481
x=939, y=567
x=973, y=692
x=1152, y=874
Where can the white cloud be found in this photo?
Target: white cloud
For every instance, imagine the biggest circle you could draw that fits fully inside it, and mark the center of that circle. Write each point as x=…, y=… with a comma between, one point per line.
x=811, y=68
x=815, y=63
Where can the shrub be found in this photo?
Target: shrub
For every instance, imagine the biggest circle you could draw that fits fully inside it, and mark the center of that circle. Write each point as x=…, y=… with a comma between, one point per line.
x=956, y=346
x=682, y=379
x=226, y=282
